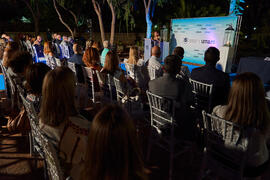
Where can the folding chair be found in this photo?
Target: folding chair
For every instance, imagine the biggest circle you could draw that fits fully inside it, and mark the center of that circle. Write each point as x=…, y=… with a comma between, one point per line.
x=226, y=147
x=162, y=111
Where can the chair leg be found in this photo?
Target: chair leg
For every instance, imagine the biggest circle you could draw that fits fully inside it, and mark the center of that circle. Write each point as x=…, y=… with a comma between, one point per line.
x=30, y=143
x=171, y=160
x=149, y=147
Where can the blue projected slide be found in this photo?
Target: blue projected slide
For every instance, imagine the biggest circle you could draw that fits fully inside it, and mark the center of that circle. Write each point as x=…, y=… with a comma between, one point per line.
x=195, y=35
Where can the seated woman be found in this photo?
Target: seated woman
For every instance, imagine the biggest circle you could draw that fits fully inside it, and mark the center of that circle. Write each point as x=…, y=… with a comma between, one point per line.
x=247, y=108
x=113, y=149
x=34, y=76
x=137, y=73
x=60, y=120
x=49, y=56
x=10, y=49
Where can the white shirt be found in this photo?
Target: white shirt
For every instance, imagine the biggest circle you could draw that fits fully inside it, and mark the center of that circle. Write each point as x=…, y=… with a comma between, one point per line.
x=154, y=68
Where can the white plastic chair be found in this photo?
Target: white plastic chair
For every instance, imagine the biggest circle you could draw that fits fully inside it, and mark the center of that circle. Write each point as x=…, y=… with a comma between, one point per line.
x=163, y=115
x=226, y=147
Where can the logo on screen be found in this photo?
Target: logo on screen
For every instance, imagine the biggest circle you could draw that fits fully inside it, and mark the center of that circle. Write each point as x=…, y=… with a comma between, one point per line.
x=185, y=40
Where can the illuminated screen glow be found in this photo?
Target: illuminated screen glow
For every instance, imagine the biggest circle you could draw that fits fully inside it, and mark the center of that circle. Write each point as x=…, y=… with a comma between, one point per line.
x=195, y=35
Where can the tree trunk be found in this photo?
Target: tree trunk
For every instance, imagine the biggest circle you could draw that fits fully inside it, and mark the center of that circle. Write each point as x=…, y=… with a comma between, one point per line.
x=61, y=20
x=36, y=20
x=149, y=25
x=99, y=14
x=113, y=22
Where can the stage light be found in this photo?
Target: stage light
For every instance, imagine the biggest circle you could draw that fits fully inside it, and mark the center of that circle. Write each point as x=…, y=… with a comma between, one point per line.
x=254, y=28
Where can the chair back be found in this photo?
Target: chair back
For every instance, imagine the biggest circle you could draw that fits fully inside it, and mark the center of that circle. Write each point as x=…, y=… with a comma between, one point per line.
x=71, y=66
x=162, y=111
x=51, y=61
x=226, y=147
x=202, y=95
x=89, y=79
x=58, y=62
x=120, y=90
x=52, y=162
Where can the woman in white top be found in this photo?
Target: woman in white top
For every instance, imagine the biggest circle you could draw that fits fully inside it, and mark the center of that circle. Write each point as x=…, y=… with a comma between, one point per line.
x=49, y=56
x=247, y=107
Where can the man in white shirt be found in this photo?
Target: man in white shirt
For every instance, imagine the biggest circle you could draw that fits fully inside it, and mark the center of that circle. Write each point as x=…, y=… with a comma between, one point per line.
x=153, y=65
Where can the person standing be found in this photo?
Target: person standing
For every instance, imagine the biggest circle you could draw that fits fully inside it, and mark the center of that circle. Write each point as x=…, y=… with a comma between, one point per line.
x=38, y=49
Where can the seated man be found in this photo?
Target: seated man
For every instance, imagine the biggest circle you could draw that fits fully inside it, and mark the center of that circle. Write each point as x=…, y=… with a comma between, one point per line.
x=77, y=59
x=184, y=72
x=210, y=75
x=169, y=86
x=153, y=65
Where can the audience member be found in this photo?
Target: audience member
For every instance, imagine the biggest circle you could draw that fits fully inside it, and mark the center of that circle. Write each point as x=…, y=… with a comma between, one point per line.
x=179, y=51
x=91, y=58
x=60, y=120
x=104, y=52
x=17, y=65
x=34, y=76
x=89, y=43
x=49, y=56
x=169, y=86
x=38, y=49
x=56, y=46
x=10, y=49
x=65, y=48
x=153, y=65
x=97, y=45
x=247, y=107
x=210, y=75
x=77, y=56
x=113, y=149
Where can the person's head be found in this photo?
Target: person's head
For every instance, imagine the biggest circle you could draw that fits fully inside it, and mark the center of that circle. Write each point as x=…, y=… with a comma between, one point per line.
x=179, y=51
x=65, y=38
x=77, y=49
x=58, y=37
x=156, y=36
x=172, y=65
x=89, y=43
x=55, y=36
x=2, y=47
x=133, y=55
x=58, y=96
x=156, y=51
x=19, y=61
x=246, y=103
x=106, y=44
x=211, y=56
x=34, y=76
x=39, y=39
x=4, y=36
x=113, y=150
x=96, y=45
x=47, y=47
x=111, y=64
x=91, y=57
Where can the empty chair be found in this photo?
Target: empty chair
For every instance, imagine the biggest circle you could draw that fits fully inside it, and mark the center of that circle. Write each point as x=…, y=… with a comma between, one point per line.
x=202, y=95
x=163, y=115
x=226, y=147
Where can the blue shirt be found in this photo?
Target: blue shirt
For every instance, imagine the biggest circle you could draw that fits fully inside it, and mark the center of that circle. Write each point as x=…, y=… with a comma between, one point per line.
x=103, y=55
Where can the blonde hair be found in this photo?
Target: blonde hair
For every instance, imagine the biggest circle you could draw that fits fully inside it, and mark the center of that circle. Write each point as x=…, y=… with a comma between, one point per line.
x=133, y=55
x=58, y=96
x=246, y=104
x=47, y=48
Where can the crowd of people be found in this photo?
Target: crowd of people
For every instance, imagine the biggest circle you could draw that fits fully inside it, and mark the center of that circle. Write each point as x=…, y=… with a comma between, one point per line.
x=106, y=147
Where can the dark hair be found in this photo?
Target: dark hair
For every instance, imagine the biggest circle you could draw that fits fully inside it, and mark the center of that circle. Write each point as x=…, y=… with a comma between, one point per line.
x=19, y=61
x=211, y=56
x=113, y=151
x=247, y=90
x=172, y=64
x=34, y=76
x=179, y=51
x=111, y=64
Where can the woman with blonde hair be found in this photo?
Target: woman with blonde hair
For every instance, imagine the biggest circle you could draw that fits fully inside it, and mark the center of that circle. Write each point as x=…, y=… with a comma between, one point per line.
x=134, y=57
x=247, y=107
x=60, y=120
x=49, y=56
x=113, y=151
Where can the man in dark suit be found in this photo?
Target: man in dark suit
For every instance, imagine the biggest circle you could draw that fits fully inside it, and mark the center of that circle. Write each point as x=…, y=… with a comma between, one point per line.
x=210, y=75
x=176, y=89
